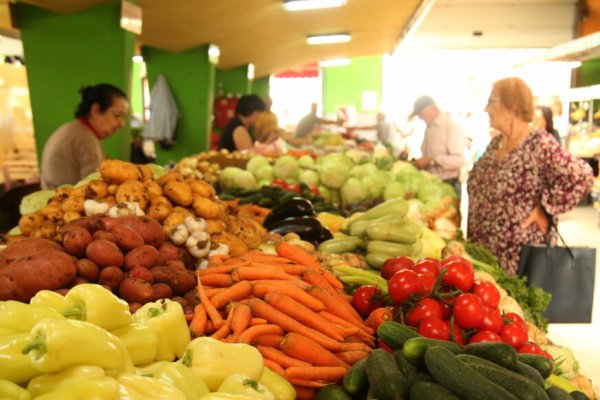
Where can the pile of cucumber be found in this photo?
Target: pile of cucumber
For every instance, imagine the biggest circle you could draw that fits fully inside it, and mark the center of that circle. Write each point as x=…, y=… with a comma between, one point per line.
x=429, y=369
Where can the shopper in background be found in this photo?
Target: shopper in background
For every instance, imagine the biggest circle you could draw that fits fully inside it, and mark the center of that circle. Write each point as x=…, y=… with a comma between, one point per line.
x=266, y=119
x=523, y=179
x=74, y=151
x=544, y=120
x=236, y=135
x=444, y=143
x=309, y=123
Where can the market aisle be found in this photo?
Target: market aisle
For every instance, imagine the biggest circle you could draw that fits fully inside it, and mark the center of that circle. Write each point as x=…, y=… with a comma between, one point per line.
x=579, y=227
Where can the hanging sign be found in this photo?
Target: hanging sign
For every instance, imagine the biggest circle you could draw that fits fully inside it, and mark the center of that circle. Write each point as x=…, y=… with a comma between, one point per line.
x=131, y=17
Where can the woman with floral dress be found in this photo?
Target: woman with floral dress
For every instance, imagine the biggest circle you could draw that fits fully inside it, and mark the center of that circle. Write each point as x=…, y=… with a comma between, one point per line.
x=522, y=177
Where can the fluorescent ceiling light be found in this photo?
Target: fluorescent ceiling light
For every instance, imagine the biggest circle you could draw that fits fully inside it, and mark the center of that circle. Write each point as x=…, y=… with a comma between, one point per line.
x=335, y=62
x=328, y=39
x=250, y=73
x=301, y=5
x=213, y=54
x=138, y=59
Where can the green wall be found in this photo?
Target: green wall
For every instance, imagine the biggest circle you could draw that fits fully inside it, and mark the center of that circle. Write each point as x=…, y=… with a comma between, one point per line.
x=191, y=78
x=64, y=53
x=343, y=86
x=589, y=73
x=234, y=81
x=260, y=87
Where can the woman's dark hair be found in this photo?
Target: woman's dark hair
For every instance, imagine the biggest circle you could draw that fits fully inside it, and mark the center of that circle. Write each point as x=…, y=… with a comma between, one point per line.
x=103, y=94
x=547, y=113
x=248, y=104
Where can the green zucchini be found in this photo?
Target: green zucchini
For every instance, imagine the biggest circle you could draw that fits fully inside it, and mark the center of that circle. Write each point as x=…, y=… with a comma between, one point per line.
x=407, y=233
x=430, y=391
x=338, y=245
x=556, y=393
x=530, y=373
x=385, y=379
x=390, y=249
x=521, y=387
x=501, y=353
x=359, y=228
x=543, y=365
x=397, y=206
x=376, y=260
x=394, y=334
x=332, y=392
x=355, y=381
x=414, y=349
x=460, y=379
x=578, y=395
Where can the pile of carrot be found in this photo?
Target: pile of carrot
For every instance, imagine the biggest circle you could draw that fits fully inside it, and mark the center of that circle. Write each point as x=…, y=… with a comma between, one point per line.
x=287, y=305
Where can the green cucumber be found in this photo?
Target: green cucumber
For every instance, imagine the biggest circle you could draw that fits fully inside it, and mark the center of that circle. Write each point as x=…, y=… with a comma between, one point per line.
x=521, y=387
x=376, y=260
x=394, y=335
x=543, y=365
x=408, y=370
x=578, y=395
x=414, y=349
x=501, y=353
x=430, y=391
x=390, y=249
x=355, y=380
x=385, y=379
x=460, y=379
x=556, y=393
x=332, y=392
x=530, y=373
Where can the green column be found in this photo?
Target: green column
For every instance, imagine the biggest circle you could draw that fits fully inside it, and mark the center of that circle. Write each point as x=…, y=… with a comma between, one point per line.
x=234, y=81
x=589, y=73
x=64, y=53
x=260, y=87
x=191, y=79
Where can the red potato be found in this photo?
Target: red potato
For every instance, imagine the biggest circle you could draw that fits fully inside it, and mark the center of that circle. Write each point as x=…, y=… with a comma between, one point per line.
x=162, y=291
x=104, y=235
x=141, y=273
x=63, y=291
x=104, y=253
x=127, y=238
x=87, y=269
x=179, y=281
x=144, y=256
x=109, y=222
x=26, y=247
x=181, y=301
x=78, y=281
x=23, y=278
x=112, y=277
x=191, y=297
x=76, y=239
x=176, y=264
x=133, y=307
x=92, y=224
x=149, y=229
x=167, y=251
x=135, y=290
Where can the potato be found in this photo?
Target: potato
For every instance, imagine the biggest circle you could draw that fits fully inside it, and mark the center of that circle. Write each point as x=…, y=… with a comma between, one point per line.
x=167, y=251
x=132, y=191
x=127, y=238
x=141, y=273
x=178, y=192
x=25, y=248
x=104, y=253
x=76, y=239
x=145, y=172
x=53, y=212
x=202, y=188
x=96, y=189
x=117, y=171
x=149, y=229
x=191, y=296
x=153, y=188
x=135, y=290
x=63, y=291
x=162, y=291
x=73, y=203
x=92, y=223
x=215, y=226
x=179, y=281
x=71, y=216
x=24, y=277
x=78, y=280
x=112, y=189
x=111, y=277
x=177, y=265
x=46, y=230
x=143, y=256
x=28, y=222
x=172, y=175
x=133, y=307
x=169, y=223
x=104, y=235
x=207, y=208
x=87, y=269
x=109, y=222
x=159, y=209
x=181, y=301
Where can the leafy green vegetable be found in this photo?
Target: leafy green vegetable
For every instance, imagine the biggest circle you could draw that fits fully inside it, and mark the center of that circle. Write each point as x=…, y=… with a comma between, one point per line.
x=286, y=167
x=353, y=192
x=34, y=201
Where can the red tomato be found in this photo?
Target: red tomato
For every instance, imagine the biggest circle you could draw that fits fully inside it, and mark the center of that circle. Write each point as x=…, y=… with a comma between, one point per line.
x=548, y=356
x=457, y=333
x=428, y=283
x=403, y=284
x=424, y=308
x=427, y=266
x=294, y=188
x=516, y=318
x=468, y=310
x=488, y=292
x=393, y=265
x=279, y=182
x=446, y=310
x=314, y=189
x=531, y=348
x=492, y=320
x=434, y=328
x=363, y=301
x=514, y=334
x=458, y=275
x=447, y=260
x=485, y=336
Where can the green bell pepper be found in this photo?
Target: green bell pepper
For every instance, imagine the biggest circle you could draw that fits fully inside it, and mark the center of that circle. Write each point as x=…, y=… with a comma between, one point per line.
x=47, y=383
x=178, y=375
x=11, y=391
x=167, y=319
x=141, y=342
x=134, y=387
x=242, y=384
x=17, y=317
x=213, y=360
x=103, y=388
x=96, y=304
x=14, y=365
x=277, y=384
x=56, y=344
x=48, y=298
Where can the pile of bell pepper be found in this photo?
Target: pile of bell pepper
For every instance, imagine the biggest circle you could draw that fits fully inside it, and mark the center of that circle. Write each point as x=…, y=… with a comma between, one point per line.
x=88, y=345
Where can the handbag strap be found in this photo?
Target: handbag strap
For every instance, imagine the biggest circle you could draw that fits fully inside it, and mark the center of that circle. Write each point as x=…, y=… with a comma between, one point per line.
x=552, y=225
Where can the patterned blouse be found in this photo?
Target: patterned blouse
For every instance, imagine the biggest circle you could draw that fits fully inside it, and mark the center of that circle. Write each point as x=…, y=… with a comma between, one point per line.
x=503, y=193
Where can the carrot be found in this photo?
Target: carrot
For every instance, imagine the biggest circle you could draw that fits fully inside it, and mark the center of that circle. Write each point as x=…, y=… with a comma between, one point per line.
x=331, y=374
x=278, y=282
x=316, y=278
x=352, y=346
x=238, y=291
x=210, y=291
x=345, y=324
x=254, y=273
x=278, y=369
x=241, y=319
x=217, y=259
x=198, y=323
x=264, y=310
x=220, y=269
x=297, y=255
x=237, y=262
x=222, y=332
x=337, y=307
x=268, y=340
x=306, y=349
x=212, y=312
x=261, y=289
x=333, y=281
x=379, y=315
x=303, y=393
x=210, y=328
x=249, y=334
x=218, y=280
x=257, y=321
x=280, y=357
x=352, y=357
x=292, y=269
x=259, y=256
x=302, y=314
x=306, y=383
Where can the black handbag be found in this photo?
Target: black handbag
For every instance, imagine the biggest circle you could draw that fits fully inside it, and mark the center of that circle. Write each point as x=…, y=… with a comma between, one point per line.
x=567, y=273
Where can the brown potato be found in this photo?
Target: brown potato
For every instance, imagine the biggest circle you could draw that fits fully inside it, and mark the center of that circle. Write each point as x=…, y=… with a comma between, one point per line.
x=236, y=245
x=87, y=269
x=104, y=235
x=171, y=175
x=92, y=223
x=143, y=256
x=112, y=189
x=110, y=200
x=162, y=291
x=178, y=192
x=167, y=251
x=174, y=219
x=96, y=189
x=62, y=194
x=202, y=188
x=141, y=273
x=29, y=222
x=71, y=216
x=181, y=301
x=215, y=226
x=127, y=238
x=46, y=230
x=104, y=253
x=73, y=203
x=179, y=281
x=117, y=171
x=176, y=265
x=132, y=191
x=160, y=208
x=135, y=290
x=53, y=212
x=149, y=229
x=76, y=239
x=25, y=248
x=63, y=291
x=207, y=208
x=153, y=188
x=145, y=172
x=111, y=276
x=78, y=280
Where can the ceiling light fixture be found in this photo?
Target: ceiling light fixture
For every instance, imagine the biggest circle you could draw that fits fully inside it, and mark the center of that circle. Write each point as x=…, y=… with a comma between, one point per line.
x=328, y=39
x=138, y=59
x=213, y=54
x=302, y=5
x=250, y=72
x=335, y=62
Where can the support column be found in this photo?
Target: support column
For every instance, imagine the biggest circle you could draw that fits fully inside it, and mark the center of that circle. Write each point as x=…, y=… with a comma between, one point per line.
x=233, y=81
x=260, y=87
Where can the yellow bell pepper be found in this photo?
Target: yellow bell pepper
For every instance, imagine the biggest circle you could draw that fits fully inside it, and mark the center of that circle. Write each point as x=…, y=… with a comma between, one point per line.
x=17, y=317
x=213, y=360
x=47, y=383
x=95, y=304
x=178, y=375
x=167, y=319
x=48, y=298
x=12, y=391
x=134, y=387
x=141, y=342
x=242, y=384
x=14, y=365
x=226, y=396
x=103, y=388
x=277, y=384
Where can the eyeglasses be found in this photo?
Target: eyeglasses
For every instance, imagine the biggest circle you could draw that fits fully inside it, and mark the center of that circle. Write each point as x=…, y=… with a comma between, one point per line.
x=492, y=100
